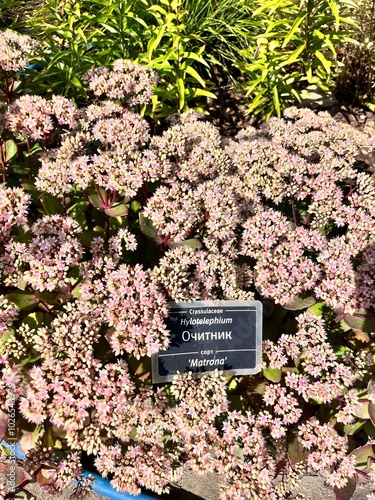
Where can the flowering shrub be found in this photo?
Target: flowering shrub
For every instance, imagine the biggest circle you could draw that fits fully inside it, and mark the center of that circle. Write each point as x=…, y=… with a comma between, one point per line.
x=103, y=224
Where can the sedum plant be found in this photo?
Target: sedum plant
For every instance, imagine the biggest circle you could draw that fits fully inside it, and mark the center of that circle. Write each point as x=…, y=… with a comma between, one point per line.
x=104, y=223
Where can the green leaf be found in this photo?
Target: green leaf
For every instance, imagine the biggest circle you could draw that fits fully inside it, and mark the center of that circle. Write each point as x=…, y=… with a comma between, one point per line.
x=23, y=300
x=192, y=72
x=10, y=150
x=363, y=454
x=298, y=20
x=97, y=199
x=154, y=41
x=301, y=302
x=75, y=81
x=181, y=93
x=204, y=93
x=326, y=64
x=148, y=229
x=34, y=320
x=369, y=428
x=352, y=429
x=361, y=320
x=77, y=209
x=50, y=204
x=294, y=56
x=363, y=411
x=272, y=374
x=317, y=308
x=193, y=243
x=117, y=210
x=196, y=57
x=276, y=101
x=335, y=12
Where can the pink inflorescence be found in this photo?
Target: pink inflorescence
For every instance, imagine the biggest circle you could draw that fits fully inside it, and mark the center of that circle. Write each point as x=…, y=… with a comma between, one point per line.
x=127, y=81
x=15, y=50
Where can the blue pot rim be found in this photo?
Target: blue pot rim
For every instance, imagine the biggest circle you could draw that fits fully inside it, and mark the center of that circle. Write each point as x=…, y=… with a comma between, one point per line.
x=101, y=486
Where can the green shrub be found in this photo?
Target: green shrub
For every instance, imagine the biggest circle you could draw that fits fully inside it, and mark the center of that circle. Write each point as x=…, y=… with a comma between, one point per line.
x=77, y=36
x=224, y=27
x=295, y=47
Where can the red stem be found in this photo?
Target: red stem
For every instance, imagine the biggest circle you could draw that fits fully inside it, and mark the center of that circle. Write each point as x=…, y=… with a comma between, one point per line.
x=351, y=190
x=197, y=226
x=113, y=199
x=99, y=194
x=144, y=190
x=3, y=162
x=7, y=89
x=294, y=212
x=39, y=299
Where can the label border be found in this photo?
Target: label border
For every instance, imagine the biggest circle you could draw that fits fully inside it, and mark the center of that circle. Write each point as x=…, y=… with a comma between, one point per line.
x=258, y=307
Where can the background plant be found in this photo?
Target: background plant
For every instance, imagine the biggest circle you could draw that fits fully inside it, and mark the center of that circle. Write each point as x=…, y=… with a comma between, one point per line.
x=168, y=52
x=356, y=83
x=294, y=46
x=80, y=35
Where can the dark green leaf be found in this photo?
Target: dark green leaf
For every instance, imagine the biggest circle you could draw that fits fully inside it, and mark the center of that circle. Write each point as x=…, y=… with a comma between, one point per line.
x=361, y=320
x=363, y=454
x=23, y=300
x=301, y=302
x=50, y=204
x=148, y=229
x=77, y=209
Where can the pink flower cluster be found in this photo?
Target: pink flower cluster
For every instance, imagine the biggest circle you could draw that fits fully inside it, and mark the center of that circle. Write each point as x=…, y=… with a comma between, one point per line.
x=126, y=299
x=275, y=213
x=105, y=151
x=45, y=261
x=15, y=50
x=14, y=206
x=8, y=314
x=33, y=117
x=131, y=83
x=327, y=452
x=321, y=375
x=185, y=274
